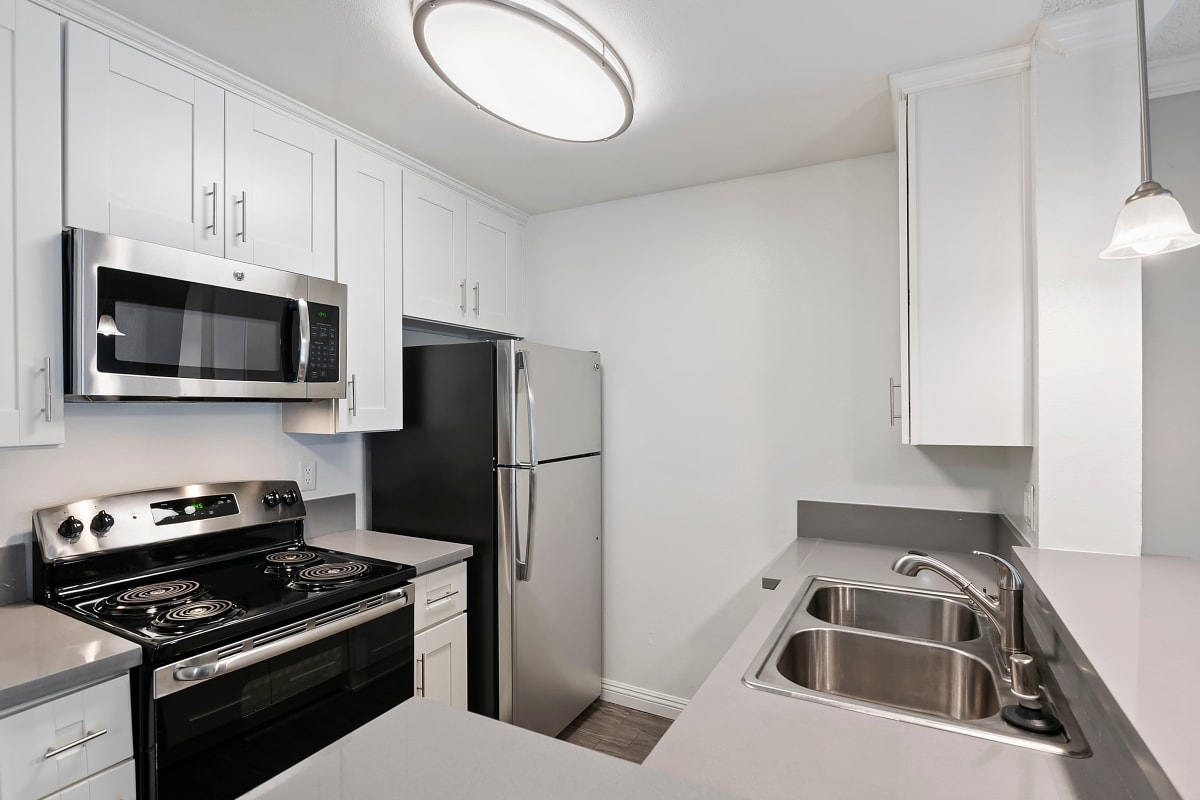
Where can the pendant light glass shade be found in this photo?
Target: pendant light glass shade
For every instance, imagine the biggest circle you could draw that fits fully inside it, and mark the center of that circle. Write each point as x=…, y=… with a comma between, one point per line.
x=530, y=63
x=1152, y=220
x=1151, y=223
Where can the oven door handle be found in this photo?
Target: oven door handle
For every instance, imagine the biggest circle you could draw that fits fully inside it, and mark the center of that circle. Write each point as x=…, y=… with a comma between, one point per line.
x=188, y=672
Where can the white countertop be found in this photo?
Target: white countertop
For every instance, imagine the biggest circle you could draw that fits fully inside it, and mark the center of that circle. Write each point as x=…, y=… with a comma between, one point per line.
x=759, y=745
x=424, y=554
x=1135, y=618
x=422, y=749
x=44, y=652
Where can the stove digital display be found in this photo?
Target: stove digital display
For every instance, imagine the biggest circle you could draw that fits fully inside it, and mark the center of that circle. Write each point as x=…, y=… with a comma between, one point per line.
x=187, y=509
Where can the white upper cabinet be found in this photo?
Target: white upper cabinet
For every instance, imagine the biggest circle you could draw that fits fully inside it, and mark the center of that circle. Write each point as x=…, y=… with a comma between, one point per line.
x=493, y=269
x=370, y=262
x=965, y=253
x=280, y=205
x=31, y=401
x=462, y=259
x=144, y=146
x=435, y=252
x=157, y=154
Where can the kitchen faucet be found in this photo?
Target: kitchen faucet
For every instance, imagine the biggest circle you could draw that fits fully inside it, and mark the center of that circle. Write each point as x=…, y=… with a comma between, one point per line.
x=1007, y=612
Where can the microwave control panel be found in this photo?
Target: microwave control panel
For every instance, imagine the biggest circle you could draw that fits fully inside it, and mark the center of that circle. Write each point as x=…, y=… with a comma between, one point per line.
x=324, y=347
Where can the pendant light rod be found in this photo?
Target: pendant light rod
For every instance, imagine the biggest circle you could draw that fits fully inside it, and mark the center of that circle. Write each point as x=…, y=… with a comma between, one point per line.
x=1145, y=88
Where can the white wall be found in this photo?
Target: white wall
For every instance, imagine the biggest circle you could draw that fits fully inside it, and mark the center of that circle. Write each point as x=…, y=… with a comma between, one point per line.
x=748, y=330
x=130, y=446
x=1171, y=326
x=1088, y=454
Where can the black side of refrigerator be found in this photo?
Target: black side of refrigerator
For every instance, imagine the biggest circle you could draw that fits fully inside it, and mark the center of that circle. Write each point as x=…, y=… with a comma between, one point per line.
x=436, y=479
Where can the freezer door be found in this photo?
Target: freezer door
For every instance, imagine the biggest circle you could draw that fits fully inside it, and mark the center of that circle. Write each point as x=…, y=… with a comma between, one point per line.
x=557, y=611
x=565, y=386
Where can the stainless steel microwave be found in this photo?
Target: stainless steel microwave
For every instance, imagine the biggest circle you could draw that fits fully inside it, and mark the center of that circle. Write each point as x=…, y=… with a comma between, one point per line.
x=147, y=322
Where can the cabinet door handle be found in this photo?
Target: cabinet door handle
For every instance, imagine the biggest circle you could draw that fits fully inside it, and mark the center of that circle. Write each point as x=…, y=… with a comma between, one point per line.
x=893, y=416
x=213, y=227
x=87, y=738
x=421, y=687
x=48, y=376
x=476, y=298
x=462, y=288
x=446, y=596
x=242, y=203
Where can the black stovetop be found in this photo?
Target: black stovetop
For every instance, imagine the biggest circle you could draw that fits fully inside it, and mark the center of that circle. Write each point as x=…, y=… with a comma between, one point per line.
x=267, y=598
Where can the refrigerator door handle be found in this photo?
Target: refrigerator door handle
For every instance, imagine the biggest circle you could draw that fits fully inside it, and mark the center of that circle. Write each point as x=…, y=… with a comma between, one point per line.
x=524, y=564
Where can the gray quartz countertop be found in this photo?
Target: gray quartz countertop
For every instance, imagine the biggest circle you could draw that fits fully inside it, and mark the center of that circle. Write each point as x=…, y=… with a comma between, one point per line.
x=45, y=652
x=422, y=749
x=758, y=745
x=424, y=554
x=1134, y=618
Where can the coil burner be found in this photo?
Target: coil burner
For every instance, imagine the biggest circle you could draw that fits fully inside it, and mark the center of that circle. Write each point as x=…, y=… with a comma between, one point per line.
x=286, y=562
x=151, y=599
x=197, y=614
x=322, y=577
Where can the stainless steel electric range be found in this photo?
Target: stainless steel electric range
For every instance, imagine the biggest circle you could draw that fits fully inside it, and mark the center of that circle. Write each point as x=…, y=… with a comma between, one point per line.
x=257, y=650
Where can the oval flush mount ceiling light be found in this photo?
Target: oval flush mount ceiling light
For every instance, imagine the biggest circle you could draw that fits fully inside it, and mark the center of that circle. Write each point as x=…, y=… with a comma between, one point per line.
x=530, y=63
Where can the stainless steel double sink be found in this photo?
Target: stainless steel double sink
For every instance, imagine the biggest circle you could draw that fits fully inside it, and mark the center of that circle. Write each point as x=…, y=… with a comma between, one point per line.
x=906, y=654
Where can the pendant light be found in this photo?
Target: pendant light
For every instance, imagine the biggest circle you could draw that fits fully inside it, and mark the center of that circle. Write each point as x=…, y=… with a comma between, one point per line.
x=531, y=63
x=1152, y=220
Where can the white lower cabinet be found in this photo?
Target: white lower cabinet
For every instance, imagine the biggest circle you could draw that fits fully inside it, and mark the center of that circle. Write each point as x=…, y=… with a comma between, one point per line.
x=70, y=740
x=440, y=619
x=117, y=783
x=441, y=662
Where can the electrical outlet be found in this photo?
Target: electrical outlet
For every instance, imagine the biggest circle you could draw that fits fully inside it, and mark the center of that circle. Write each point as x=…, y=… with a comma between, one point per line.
x=308, y=475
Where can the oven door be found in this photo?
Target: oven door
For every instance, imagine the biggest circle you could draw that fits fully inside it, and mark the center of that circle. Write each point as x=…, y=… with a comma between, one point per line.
x=155, y=322
x=223, y=735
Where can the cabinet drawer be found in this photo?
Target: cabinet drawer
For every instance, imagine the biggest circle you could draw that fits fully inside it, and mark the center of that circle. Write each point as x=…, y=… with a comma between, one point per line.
x=440, y=595
x=90, y=730
x=116, y=783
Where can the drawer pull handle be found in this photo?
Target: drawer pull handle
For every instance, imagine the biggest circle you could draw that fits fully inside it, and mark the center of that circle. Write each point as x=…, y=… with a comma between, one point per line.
x=91, y=735
x=440, y=599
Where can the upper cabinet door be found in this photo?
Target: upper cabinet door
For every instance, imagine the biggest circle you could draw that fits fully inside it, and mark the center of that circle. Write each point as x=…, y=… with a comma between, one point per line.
x=31, y=401
x=493, y=269
x=435, y=233
x=968, y=243
x=144, y=146
x=370, y=262
x=279, y=193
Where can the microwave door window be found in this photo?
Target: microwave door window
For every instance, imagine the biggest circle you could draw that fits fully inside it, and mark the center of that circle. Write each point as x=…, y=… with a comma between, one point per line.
x=178, y=329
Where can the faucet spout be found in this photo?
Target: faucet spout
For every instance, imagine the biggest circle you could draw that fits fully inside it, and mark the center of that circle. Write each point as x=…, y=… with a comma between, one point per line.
x=1006, y=612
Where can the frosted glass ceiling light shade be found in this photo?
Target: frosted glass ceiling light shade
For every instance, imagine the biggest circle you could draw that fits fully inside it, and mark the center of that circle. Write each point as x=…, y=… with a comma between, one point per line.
x=530, y=63
x=1152, y=220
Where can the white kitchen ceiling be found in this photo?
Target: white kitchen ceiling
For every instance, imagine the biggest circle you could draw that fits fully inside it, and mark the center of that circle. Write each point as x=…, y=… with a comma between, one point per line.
x=722, y=89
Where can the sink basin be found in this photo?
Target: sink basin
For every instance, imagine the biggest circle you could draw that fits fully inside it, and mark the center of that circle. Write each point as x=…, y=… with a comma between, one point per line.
x=913, y=655
x=902, y=613
x=893, y=672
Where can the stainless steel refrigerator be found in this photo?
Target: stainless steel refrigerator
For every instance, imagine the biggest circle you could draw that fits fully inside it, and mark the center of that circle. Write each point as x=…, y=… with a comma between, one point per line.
x=501, y=450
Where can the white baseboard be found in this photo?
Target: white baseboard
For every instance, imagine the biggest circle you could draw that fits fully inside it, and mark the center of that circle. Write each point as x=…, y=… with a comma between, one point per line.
x=662, y=705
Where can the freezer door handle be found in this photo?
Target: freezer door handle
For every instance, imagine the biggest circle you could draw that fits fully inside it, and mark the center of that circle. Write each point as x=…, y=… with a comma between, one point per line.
x=524, y=565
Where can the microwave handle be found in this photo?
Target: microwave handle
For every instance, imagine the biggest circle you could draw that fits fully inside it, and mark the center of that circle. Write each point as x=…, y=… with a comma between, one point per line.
x=305, y=340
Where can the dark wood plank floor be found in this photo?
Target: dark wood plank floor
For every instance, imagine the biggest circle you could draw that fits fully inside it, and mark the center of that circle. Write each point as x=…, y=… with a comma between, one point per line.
x=616, y=730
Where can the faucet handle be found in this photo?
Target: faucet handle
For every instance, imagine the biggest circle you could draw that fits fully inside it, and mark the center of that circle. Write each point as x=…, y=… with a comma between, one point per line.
x=1009, y=577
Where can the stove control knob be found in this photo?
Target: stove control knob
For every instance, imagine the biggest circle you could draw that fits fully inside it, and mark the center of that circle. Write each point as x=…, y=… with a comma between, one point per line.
x=271, y=499
x=70, y=528
x=102, y=523
x=290, y=497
